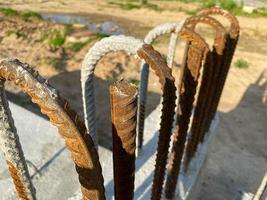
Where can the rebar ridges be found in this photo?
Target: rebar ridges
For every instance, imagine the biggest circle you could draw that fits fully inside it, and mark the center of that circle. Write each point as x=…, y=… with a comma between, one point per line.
x=123, y=115
x=159, y=66
x=187, y=94
x=78, y=142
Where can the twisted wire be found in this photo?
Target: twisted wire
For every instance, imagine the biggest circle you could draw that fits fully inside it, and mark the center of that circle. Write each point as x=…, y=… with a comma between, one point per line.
x=144, y=68
x=111, y=44
x=73, y=131
x=13, y=153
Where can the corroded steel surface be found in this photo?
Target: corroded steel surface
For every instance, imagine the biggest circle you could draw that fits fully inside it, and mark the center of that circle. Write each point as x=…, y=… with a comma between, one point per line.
x=159, y=66
x=234, y=24
x=123, y=114
x=11, y=148
x=197, y=53
x=165, y=28
x=66, y=120
x=226, y=59
x=208, y=84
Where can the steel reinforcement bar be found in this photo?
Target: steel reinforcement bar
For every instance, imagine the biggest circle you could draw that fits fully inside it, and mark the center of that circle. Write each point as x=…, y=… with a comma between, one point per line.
x=162, y=29
x=226, y=59
x=123, y=98
x=73, y=131
x=198, y=51
x=158, y=65
x=210, y=77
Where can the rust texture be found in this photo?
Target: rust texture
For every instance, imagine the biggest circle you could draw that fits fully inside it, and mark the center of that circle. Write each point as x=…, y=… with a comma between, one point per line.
x=223, y=65
x=207, y=87
x=159, y=66
x=17, y=181
x=73, y=131
x=197, y=53
x=123, y=115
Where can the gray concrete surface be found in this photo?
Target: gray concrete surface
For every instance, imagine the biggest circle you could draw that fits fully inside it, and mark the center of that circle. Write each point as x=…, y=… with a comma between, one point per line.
x=53, y=172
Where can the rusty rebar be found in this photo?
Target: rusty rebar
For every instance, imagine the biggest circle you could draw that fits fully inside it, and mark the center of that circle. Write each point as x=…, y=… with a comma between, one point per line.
x=158, y=64
x=73, y=131
x=223, y=64
x=123, y=115
x=144, y=75
x=197, y=53
x=210, y=77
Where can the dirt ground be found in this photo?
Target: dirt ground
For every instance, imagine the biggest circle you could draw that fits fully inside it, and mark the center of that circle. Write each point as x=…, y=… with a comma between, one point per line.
x=237, y=158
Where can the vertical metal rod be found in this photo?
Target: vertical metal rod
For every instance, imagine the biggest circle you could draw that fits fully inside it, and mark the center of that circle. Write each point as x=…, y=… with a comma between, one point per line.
x=172, y=49
x=123, y=115
x=157, y=63
x=199, y=108
x=208, y=84
x=187, y=95
x=142, y=104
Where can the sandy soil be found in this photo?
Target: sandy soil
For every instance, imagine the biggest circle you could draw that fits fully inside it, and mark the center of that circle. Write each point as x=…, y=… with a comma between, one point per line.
x=237, y=159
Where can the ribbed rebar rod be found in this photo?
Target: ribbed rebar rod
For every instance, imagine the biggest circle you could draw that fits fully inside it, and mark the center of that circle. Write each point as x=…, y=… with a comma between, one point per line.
x=197, y=53
x=208, y=84
x=123, y=115
x=144, y=68
x=66, y=120
x=157, y=63
x=223, y=64
x=13, y=153
x=159, y=66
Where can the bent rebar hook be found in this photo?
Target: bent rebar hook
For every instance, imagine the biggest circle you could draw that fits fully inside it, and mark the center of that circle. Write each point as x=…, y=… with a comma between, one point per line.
x=144, y=68
x=73, y=131
x=159, y=66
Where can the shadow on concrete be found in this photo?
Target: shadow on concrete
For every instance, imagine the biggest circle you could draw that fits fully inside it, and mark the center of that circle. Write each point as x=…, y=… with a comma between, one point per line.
x=237, y=157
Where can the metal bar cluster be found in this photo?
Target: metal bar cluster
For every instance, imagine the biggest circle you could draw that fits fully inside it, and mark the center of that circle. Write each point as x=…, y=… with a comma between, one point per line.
x=197, y=52
x=66, y=120
x=214, y=65
x=213, y=80
x=123, y=116
x=145, y=52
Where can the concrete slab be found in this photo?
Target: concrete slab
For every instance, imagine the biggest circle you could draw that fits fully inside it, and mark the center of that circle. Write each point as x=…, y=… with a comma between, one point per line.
x=53, y=172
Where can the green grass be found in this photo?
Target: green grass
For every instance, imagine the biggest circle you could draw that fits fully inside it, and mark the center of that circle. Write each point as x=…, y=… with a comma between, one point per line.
x=133, y=4
x=77, y=46
x=30, y=14
x=9, y=12
x=134, y=81
x=57, y=38
x=24, y=15
x=241, y=64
